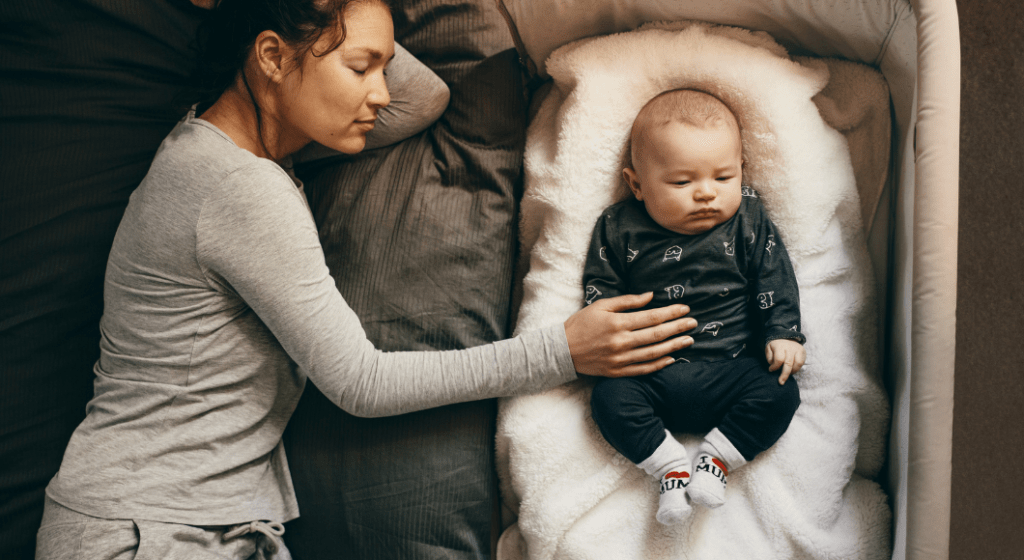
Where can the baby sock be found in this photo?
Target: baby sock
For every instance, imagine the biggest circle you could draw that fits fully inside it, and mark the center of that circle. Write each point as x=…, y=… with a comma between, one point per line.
x=670, y=464
x=716, y=456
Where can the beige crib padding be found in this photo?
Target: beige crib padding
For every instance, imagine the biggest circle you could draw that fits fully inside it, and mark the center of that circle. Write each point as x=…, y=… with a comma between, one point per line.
x=856, y=103
x=852, y=30
x=933, y=320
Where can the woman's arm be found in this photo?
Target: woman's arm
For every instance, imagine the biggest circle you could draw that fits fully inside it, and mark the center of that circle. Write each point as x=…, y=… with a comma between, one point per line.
x=418, y=97
x=257, y=236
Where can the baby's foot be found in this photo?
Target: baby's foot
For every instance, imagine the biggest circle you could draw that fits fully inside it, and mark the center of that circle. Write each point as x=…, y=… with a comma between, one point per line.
x=673, y=507
x=707, y=486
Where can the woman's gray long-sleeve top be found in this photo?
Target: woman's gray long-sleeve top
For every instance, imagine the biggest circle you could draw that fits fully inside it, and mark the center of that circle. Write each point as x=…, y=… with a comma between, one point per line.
x=218, y=306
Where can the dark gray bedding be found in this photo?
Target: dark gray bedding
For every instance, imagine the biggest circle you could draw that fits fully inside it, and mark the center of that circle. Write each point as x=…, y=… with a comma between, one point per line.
x=421, y=240
x=86, y=96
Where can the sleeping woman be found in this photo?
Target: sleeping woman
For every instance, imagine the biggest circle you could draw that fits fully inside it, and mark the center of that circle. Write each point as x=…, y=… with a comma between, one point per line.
x=219, y=306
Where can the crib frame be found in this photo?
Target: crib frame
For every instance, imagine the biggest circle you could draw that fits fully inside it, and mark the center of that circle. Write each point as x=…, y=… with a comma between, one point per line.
x=915, y=44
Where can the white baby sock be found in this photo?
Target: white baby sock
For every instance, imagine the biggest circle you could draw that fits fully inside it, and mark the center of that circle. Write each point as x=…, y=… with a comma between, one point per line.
x=716, y=456
x=670, y=464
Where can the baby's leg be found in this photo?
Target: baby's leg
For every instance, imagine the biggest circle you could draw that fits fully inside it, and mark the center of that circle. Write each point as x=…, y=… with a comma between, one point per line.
x=753, y=423
x=624, y=410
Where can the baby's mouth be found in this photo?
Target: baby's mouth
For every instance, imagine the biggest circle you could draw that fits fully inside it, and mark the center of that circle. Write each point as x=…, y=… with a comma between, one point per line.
x=704, y=213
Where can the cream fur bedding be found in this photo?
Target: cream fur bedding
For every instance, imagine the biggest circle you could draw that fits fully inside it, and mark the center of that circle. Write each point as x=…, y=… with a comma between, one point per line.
x=567, y=493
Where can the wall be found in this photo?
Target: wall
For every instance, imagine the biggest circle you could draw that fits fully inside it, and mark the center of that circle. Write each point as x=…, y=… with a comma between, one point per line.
x=988, y=419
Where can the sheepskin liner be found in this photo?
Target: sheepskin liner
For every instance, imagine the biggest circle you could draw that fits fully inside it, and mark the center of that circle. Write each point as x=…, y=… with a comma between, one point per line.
x=569, y=495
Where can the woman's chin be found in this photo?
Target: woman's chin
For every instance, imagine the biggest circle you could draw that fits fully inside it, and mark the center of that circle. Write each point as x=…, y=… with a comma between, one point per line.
x=351, y=143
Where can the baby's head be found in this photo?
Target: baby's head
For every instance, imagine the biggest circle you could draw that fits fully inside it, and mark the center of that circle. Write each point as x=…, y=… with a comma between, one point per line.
x=687, y=161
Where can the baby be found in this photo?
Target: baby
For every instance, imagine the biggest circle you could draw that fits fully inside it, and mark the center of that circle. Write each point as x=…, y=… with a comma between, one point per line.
x=695, y=235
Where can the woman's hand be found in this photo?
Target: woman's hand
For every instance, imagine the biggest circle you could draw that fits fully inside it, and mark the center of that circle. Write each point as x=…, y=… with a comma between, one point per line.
x=604, y=341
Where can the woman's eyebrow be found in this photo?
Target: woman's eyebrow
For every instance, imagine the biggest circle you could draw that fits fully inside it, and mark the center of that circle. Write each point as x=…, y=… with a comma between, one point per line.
x=374, y=53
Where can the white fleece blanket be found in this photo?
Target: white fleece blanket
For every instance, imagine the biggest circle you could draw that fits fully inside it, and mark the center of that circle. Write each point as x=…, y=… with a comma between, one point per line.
x=567, y=493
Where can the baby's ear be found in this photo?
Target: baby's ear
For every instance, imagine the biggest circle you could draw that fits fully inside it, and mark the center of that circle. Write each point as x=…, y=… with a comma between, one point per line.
x=633, y=181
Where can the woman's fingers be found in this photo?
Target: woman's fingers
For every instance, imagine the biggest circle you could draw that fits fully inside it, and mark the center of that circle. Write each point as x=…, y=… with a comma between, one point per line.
x=648, y=359
x=653, y=317
x=641, y=368
x=624, y=303
x=664, y=331
x=654, y=351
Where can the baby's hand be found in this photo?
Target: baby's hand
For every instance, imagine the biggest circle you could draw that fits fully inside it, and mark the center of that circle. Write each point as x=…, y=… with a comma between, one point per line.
x=787, y=354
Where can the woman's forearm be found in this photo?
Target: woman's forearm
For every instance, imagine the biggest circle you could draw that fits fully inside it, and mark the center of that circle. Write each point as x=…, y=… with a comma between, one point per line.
x=400, y=382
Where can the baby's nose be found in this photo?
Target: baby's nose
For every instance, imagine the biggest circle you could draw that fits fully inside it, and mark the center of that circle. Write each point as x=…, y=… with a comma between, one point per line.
x=704, y=191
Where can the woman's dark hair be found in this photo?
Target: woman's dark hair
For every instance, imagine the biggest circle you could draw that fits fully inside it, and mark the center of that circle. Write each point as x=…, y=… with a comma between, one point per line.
x=226, y=36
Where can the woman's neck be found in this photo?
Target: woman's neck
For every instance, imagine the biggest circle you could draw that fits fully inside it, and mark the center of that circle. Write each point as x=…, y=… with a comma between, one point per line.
x=235, y=114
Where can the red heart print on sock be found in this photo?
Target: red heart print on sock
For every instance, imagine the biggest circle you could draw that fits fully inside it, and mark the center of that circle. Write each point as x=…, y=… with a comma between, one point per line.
x=720, y=465
x=678, y=474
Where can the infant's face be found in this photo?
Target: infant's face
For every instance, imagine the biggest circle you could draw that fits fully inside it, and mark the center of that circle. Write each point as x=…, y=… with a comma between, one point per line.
x=689, y=178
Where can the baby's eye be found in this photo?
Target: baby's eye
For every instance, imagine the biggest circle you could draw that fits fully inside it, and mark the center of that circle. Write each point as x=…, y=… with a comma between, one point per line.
x=724, y=178
x=681, y=183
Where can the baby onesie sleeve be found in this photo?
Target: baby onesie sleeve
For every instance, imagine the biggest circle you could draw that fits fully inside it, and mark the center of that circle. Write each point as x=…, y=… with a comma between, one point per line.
x=604, y=269
x=775, y=291
x=256, y=238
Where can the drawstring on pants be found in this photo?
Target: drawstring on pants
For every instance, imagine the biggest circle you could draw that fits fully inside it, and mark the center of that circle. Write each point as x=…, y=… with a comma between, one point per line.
x=272, y=530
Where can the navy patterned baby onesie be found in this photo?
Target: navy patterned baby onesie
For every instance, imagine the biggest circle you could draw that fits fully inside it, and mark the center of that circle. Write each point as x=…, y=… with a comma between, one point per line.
x=740, y=286
x=736, y=277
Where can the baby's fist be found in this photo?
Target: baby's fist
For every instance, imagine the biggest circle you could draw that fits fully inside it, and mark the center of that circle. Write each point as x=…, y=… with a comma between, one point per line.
x=786, y=354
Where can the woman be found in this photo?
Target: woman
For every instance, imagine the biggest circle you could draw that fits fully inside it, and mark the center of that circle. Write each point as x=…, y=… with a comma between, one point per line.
x=218, y=306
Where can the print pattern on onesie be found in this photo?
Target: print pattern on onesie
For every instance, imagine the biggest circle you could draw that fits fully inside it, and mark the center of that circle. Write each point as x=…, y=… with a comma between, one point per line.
x=764, y=300
x=676, y=291
x=631, y=254
x=771, y=243
x=712, y=328
x=730, y=248
x=592, y=294
x=673, y=253
x=602, y=253
x=749, y=192
x=742, y=348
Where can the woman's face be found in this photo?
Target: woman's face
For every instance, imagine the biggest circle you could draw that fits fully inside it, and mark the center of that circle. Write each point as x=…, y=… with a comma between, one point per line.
x=333, y=99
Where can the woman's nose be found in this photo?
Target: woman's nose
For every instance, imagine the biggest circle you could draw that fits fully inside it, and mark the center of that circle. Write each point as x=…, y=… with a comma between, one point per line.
x=379, y=96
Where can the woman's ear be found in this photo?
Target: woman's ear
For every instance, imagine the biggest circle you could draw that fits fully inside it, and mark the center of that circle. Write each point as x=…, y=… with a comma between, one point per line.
x=269, y=51
x=633, y=181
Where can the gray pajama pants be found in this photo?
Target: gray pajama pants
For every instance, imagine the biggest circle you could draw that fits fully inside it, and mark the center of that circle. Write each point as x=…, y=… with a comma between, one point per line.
x=66, y=534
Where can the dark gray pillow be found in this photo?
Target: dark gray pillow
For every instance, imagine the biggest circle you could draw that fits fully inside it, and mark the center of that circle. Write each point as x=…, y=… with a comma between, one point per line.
x=420, y=238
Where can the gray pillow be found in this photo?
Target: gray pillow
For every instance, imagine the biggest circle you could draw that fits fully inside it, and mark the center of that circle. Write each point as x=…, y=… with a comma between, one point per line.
x=420, y=237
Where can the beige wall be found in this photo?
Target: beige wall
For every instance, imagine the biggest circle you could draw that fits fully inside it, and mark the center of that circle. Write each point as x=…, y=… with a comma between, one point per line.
x=988, y=419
